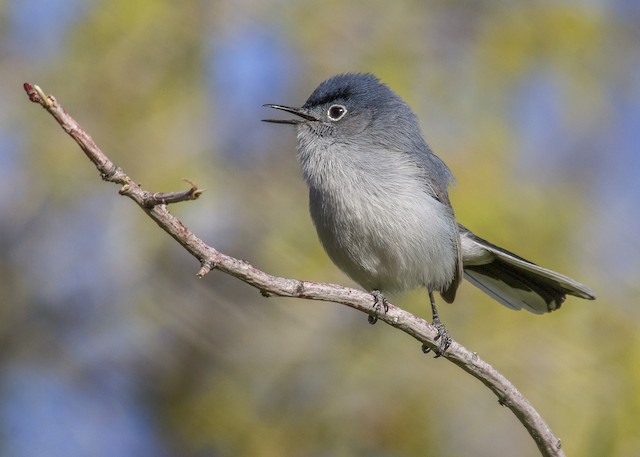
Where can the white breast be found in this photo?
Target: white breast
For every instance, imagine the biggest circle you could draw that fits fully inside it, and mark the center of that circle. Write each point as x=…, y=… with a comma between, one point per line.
x=376, y=219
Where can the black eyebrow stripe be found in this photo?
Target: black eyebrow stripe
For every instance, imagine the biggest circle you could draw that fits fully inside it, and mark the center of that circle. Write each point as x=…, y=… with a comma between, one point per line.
x=343, y=93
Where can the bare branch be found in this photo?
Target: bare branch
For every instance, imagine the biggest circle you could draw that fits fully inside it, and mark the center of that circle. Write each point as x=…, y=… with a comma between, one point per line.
x=165, y=198
x=155, y=205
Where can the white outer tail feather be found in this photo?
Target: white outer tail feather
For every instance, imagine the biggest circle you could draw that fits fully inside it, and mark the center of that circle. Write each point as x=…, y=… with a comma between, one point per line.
x=514, y=281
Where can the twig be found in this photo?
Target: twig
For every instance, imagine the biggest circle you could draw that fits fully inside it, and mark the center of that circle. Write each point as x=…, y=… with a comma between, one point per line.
x=155, y=205
x=164, y=198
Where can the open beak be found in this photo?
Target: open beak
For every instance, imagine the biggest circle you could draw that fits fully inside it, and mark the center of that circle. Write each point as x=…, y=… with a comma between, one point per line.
x=297, y=111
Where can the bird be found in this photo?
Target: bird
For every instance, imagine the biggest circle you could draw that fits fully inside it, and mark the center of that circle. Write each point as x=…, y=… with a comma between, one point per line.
x=378, y=198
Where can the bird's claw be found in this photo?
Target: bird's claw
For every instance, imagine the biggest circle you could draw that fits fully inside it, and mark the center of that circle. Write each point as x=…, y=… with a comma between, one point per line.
x=379, y=302
x=443, y=338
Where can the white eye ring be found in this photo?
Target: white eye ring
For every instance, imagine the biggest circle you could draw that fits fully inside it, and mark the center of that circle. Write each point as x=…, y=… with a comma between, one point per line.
x=336, y=112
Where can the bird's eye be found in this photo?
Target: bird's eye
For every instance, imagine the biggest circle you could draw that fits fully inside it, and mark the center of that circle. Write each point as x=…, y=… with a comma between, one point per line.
x=336, y=112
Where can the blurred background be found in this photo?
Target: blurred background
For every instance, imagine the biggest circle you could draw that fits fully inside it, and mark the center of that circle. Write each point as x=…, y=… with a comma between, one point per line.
x=110, y=346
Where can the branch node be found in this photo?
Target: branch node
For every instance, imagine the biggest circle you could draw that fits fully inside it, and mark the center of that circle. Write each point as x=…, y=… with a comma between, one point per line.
x=49, y=101
x=165, y=198
x=40, y=96
x=110, y=173
x=504, y=401
x=207, y=266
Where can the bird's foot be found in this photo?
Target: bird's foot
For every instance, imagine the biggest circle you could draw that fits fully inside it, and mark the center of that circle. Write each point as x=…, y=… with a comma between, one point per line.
x=443, y=338
x=379, y=303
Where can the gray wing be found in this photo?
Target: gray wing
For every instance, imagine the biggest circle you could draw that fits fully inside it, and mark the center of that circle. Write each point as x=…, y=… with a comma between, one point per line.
x=438, y=177
x=513, y=281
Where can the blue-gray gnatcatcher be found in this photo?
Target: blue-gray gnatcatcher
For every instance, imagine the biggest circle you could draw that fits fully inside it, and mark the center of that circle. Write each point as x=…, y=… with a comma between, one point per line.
x=379, y=201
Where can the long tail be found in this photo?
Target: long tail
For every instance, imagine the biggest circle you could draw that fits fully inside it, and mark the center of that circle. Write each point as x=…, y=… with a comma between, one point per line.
x=514, y=281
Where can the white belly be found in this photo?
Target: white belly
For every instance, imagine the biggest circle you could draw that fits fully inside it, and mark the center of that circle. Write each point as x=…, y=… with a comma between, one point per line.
x=391, y=238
